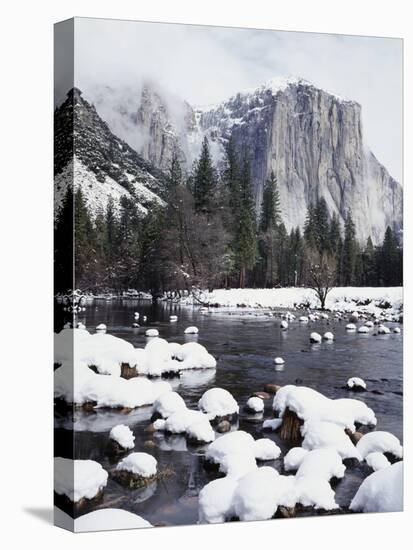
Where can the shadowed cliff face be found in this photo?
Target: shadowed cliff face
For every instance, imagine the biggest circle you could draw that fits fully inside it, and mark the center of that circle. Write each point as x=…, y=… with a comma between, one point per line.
x=312, y=140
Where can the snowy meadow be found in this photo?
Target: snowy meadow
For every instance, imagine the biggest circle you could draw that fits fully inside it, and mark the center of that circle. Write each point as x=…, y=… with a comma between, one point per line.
x=261, y=408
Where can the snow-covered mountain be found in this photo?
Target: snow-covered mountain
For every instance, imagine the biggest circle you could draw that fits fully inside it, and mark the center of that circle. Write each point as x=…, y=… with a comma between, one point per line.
x=102, y=165
x=312, y=139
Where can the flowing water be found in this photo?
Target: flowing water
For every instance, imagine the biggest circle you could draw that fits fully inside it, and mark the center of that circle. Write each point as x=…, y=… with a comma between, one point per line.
x=244, y=342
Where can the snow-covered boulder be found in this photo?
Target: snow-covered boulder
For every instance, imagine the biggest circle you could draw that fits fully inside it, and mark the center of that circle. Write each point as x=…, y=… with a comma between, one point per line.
x=260, y=492
x=363, y=330
x=377, y=461
x=356, y=384
x=324, y=463
x=319, y=434
x=191, y=330
x=79, y=479
x=303, y=319
x=109, y=519
x=255, y=405
x=315, y=338
x=272, y=424
x=194, y=356
x=265, y=449
x=169, y=403
x=218, y=403
x=382, y=442
x=215, y=500
x=351, y=327
x=396, y=330
x=152, y=332
x=382, y=491
x=239, y=443
x=369, y=324
x=101, y=326
x=173, y=318
x=315, y=492
x=279, y=361
x=294, y=458
x=284, y=324
x=328, y=336
x=194, y=424
x=382, y=329
x=136, y=470
x=123, y=436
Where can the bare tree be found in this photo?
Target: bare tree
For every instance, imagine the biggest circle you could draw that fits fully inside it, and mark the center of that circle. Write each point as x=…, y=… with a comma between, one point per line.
x=323, y=275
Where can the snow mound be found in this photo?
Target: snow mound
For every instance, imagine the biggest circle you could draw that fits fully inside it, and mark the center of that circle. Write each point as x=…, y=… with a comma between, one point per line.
x=123, y=435
x=195, y=356
x=363, y=330
x=152, y=332
x=383, y=329
x=318, y=434
x=215, y=500
x=192, y=423
x=217, y=402
x=356, y=382
x=377, y=461
x=238, y=442
x=328, y=336
x=315, y=338
x=169, y=403
x=265, y=449
x=191, y=330
x=351, y=327
x=315, y=492
x=102, y=326
x=77, y=479
x=324, y=463
x=272, y=424
x=309, y=404
x=109, y=519
x=294, y=458
x=284, y=325
x=382, y=491
x=382, y=442
x=141, y=464
x=279, y=361
x=255, y=404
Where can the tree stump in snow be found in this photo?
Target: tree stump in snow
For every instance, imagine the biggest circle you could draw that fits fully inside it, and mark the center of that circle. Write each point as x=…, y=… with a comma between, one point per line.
x=127, y=372
x=290, y=429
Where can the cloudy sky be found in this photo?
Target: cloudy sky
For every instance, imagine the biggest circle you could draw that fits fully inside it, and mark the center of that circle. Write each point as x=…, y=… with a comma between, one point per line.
x=207, y=64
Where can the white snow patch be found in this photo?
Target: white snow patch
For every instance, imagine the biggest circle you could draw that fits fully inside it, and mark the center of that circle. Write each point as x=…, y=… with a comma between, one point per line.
x=382, y=442
x=382, y=491
x=109, y=519
x=217, y=402
x=141, y=464
x=123, y=435
x=77, y=479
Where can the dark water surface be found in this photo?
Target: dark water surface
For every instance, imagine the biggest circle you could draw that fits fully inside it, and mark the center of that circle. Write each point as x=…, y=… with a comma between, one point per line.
x=244, y=342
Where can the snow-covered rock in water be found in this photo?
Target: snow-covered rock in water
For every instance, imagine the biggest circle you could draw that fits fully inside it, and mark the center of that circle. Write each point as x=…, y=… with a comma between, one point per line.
x=191, y=330
x=194, y=424
x=369, y=324
x=324, y=316
x=139, y=464
x=79, y=479
x=318, y=434
x=136, y=314
x=308, y=404
x=173, y=318
x=363, y=330
x=102, y=326
x=279, y=361
x=351, y=327
x=294, y=458
x=354, y=317
x=81, y=326
x=272, y=424
x=382, y=442
x=109, y=519
x=255, y=404
x=328, y=336
x=236, y=465
x=195, y=356
x=123, y=436
x=152, y=332
x=315, y=338
x=357, y=384
x=382, y=491
x=315, y=492
x=396, y=330
x=284, y=325
x=217, y=402
x=377, y=461
x=324, y=463
x=169, y=403
x=260, y=492
x=265, y=449
x=303, y=319
x=79, y=385
x=239, y=442
x=383, y=329
x=215, y=500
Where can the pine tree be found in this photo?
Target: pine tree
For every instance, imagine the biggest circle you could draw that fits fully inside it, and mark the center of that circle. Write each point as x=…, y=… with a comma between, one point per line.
x=84, y=241
x=270, y=207
x=349, y=252
x=322, y=225
x=63, y=245
x=245, y=241
x=369, y=263
x=389, y=259
x=205, y=181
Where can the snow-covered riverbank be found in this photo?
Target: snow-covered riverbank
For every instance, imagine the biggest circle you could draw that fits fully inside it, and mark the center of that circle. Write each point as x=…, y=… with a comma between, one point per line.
x=344, y=299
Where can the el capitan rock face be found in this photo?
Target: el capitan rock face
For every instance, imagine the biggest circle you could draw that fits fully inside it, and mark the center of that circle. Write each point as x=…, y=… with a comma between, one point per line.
x=311, y=139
